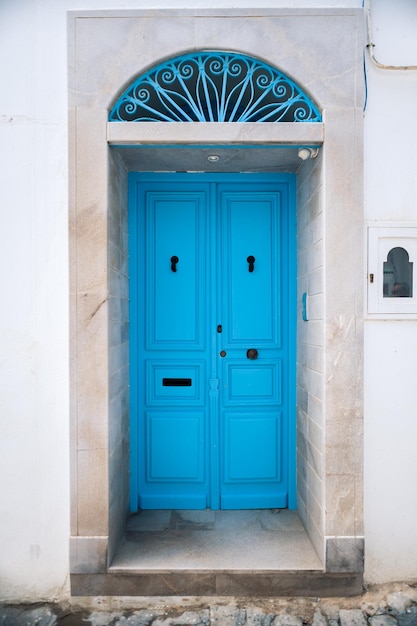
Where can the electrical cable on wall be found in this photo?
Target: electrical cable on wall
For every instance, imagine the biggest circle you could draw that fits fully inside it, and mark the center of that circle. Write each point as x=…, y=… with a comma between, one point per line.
x=370, y=45
x=365, y=78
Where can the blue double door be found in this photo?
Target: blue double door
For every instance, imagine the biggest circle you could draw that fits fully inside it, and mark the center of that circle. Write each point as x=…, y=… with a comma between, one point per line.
x=212, y=293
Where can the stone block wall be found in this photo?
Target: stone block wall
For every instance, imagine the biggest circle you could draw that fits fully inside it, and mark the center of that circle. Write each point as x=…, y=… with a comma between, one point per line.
x=310, y=350
x=118, y=289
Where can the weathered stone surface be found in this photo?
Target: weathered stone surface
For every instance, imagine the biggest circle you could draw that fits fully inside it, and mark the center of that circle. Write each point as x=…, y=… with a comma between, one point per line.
x=196, y=618
x=102, y=618
x=228, y=615
x=256, y=617
x=287, y=620
x=409, y=618
x=344, y=554
x=368, y=609
x=319, y=619
x=352, y=617
x=16, y=616
x=399, y=601
x=139, y=618
x=383, y=620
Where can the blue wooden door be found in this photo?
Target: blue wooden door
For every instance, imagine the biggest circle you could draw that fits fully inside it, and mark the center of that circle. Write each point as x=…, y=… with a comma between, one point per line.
x=212, y=341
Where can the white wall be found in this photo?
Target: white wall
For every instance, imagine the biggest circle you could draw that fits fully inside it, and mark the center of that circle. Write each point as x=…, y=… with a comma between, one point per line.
x=391, y=346
x=34, y=422
x=34, y=312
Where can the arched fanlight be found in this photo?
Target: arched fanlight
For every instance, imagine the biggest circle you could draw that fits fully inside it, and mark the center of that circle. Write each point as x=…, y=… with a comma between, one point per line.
x=214, y=87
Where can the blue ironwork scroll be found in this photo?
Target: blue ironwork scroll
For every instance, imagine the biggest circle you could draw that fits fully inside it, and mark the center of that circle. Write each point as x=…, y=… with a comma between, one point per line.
x=214, y=87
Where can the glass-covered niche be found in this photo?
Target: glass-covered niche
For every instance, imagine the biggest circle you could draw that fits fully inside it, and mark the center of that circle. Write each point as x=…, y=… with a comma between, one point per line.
x=392, y=287
x=398, y=274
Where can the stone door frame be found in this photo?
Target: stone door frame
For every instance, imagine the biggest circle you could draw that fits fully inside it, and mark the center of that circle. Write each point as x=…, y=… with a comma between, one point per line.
x=320, y=49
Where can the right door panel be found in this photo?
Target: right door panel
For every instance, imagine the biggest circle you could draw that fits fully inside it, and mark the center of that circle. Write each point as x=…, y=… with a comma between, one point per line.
x=253, y=415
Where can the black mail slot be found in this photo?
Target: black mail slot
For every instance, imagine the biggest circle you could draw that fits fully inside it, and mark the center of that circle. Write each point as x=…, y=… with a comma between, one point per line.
x=176, y=382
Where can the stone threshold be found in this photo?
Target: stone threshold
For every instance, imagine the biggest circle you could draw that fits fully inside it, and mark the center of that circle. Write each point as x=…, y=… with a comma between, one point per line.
x=247, y=584
x=239, y=553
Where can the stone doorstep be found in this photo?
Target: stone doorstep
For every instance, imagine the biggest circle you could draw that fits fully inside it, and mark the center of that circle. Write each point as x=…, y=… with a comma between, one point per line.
x=200, y=553
x=218, y=583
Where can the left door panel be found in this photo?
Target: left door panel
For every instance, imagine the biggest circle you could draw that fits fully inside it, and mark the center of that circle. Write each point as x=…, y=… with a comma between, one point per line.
x=169, y=243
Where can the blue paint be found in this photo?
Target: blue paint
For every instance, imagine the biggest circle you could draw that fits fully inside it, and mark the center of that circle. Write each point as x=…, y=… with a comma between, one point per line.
x=213, y=86
x=304, y=307
x=226, y=439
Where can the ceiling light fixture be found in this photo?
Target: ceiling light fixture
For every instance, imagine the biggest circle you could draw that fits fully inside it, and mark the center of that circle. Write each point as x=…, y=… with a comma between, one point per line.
x=308, y=153
x=213, y=158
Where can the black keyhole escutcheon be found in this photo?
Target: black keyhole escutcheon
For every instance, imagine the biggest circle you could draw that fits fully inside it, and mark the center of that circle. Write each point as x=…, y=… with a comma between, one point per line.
x=251, y=261
x=174, y=261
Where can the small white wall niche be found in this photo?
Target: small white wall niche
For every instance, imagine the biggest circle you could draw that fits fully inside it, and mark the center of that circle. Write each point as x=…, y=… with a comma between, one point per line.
x=392, y=271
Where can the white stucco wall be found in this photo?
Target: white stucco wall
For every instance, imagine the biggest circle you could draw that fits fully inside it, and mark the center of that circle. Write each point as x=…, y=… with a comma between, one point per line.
x=34, y=411
x=391, y=346
x=34, y=275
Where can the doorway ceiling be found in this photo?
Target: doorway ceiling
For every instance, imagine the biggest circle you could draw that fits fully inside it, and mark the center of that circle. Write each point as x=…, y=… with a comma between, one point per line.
x=196, y=158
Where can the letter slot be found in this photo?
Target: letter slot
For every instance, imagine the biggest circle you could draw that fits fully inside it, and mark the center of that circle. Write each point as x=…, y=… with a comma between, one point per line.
x=177, y=382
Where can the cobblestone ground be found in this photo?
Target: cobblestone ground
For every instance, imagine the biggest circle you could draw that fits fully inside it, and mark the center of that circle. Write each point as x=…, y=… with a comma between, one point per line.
x=379, y=606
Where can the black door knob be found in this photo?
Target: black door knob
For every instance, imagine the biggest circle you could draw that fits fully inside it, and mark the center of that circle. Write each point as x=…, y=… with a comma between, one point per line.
x=252, y=354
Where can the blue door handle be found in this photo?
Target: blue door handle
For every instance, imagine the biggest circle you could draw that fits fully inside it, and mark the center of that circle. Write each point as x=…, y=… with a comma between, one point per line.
x=174, y=261
x=251, y=261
